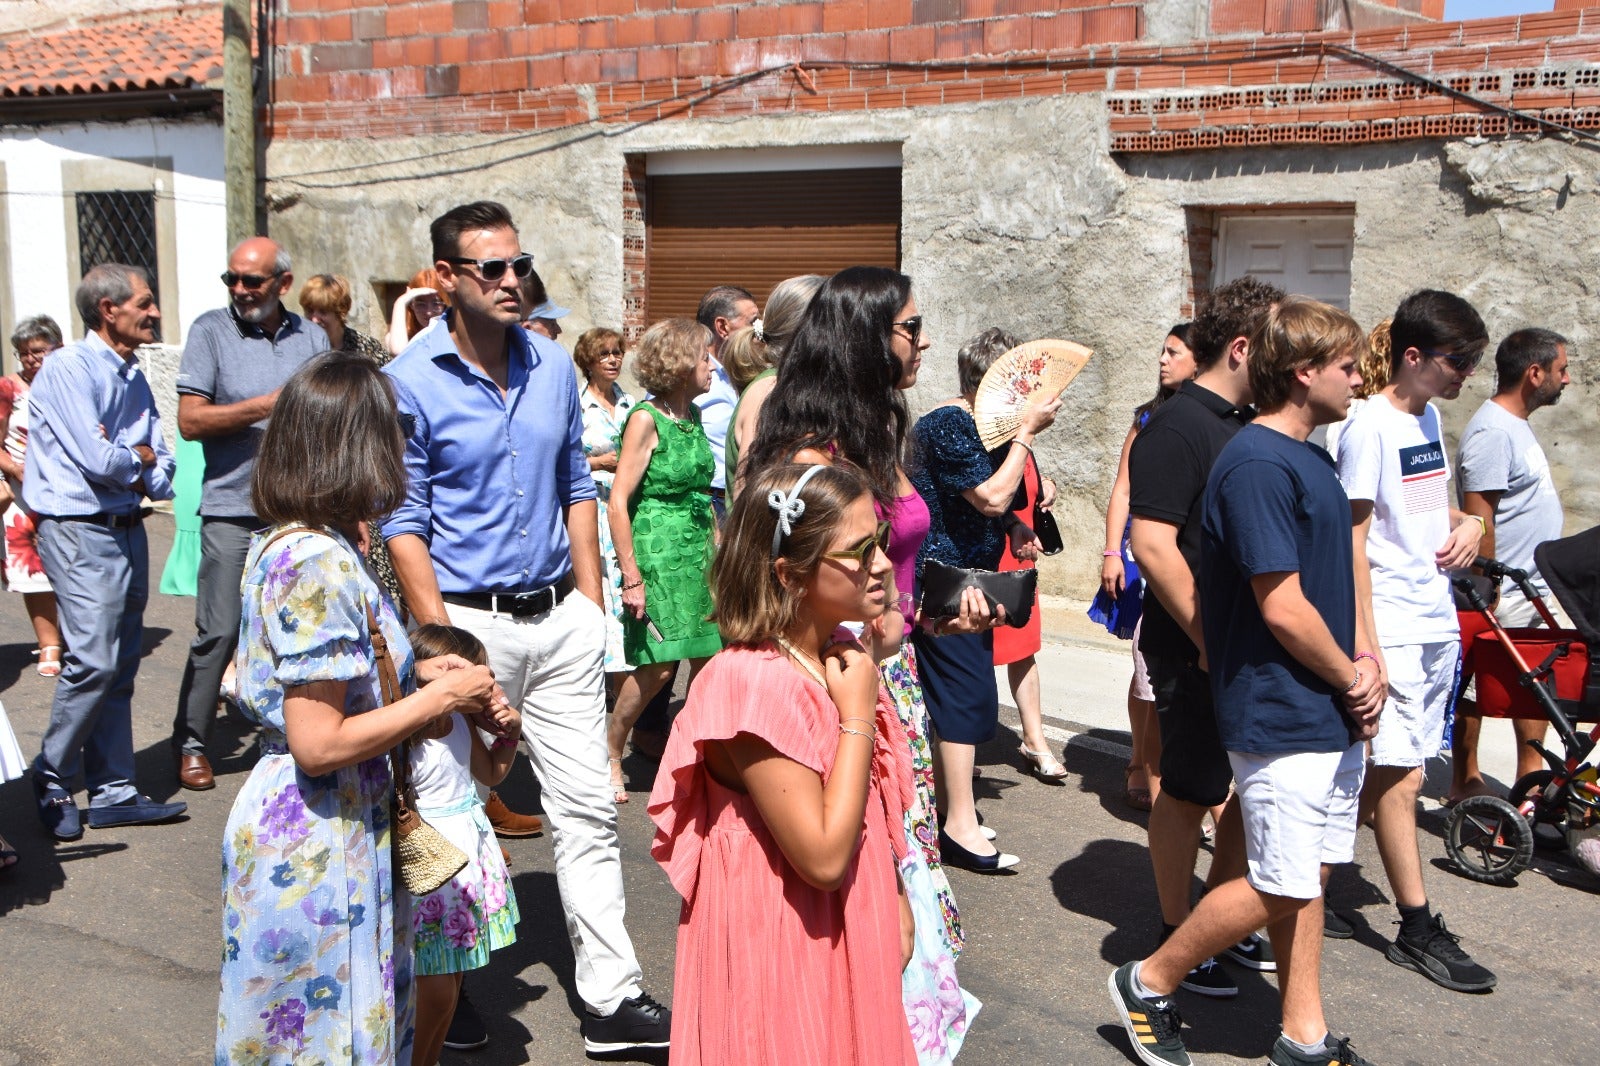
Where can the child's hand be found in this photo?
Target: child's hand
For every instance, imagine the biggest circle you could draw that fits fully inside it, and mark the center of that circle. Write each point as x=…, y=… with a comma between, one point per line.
x=852, y=680
x=499, y=718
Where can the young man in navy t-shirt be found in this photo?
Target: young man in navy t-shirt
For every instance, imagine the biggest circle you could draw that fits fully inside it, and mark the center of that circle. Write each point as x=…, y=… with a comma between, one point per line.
x=1293, y=706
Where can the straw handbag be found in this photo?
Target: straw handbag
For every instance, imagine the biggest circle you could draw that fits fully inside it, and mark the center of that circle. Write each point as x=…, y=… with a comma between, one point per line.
x=425, y=859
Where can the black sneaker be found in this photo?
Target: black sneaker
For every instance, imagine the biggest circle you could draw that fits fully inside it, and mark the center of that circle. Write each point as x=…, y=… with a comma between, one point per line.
x=1336, y=1053
x=1439, y=958
x=1209, y=979
x=1254, y=952
x=1152, y=1024
x=637, y=1022
x=466, y=1032
x=1335, y=927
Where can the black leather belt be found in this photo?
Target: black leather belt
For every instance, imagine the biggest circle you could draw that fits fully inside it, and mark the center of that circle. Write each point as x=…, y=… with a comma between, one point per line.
x=110, y=521
x=516, y=604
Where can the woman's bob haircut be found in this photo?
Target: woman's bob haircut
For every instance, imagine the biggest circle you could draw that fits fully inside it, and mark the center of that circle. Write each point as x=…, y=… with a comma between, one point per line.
x=333, y=454
x=751, y=604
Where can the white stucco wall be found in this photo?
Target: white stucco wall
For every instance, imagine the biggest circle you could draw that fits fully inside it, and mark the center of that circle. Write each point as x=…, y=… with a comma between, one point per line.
x=34, y=260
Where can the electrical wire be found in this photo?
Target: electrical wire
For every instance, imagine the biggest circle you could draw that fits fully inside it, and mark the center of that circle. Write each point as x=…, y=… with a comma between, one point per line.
x=1097, y=59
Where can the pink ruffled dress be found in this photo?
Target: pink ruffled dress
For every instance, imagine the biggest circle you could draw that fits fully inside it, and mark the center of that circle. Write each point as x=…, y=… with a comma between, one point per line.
x=770, y=969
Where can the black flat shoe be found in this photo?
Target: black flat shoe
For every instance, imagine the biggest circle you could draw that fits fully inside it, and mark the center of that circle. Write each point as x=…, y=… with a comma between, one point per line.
x=953, y=854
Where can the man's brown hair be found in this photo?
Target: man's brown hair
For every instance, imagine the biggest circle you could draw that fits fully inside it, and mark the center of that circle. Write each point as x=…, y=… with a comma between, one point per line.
x=1299, y=333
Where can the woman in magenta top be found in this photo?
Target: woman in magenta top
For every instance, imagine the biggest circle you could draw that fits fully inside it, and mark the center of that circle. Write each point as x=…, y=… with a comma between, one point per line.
x=782, y=793
x=839, y=397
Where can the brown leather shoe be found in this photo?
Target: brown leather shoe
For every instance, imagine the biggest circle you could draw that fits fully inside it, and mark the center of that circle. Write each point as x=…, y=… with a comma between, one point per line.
x=194, y=773
x=508, y=823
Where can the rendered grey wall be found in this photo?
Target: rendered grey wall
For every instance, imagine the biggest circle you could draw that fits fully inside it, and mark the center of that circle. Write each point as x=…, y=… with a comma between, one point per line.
x=1015, y=214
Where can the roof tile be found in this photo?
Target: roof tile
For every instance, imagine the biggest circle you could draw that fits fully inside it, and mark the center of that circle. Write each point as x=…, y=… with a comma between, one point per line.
x=178, y=51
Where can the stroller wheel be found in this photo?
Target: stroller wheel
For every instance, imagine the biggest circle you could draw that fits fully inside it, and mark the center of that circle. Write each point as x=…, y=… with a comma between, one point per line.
x=1533, y=786
x=1488, y=840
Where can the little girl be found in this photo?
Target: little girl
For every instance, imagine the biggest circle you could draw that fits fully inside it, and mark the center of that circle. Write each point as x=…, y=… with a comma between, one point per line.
x=474, y=913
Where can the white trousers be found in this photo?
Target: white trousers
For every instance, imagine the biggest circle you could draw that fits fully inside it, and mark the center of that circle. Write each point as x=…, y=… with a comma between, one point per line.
x=552, y=667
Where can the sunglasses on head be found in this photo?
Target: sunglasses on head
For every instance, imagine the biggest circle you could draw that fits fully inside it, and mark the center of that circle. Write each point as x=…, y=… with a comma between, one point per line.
x=494, y=269
x=1461, y=364
x=912, y=326
x=249, y=281
x=877, y=541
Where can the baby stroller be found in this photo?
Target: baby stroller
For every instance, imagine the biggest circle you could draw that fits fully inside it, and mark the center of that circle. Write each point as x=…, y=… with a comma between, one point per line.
x=1537, y=673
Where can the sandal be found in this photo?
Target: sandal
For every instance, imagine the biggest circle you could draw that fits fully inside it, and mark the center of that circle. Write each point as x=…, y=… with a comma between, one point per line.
x=48, y=666
x=1137, y=798
x=1042, y=764
x=619, y=791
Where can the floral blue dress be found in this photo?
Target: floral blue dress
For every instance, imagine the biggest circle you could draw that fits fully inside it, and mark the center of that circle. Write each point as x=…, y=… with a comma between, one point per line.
x=316, y=955
x=602, y=434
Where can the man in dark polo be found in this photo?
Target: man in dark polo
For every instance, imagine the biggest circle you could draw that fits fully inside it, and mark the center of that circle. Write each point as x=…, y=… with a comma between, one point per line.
x=236, y=360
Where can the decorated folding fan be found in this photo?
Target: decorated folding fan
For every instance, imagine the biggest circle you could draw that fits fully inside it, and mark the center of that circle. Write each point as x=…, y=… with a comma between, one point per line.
x=1037, y=370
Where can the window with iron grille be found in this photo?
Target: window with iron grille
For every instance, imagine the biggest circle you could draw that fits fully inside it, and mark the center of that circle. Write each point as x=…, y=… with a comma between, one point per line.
x=119, y=227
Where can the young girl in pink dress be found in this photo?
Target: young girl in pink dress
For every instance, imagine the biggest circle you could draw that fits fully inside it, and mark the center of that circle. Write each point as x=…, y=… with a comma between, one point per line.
x=781, y=799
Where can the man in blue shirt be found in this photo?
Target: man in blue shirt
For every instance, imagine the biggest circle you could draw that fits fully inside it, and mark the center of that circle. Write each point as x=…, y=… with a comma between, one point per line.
x=235, y=361
x=95, y=451
x=499, y=535
x=1294, y=702
x=723, y=309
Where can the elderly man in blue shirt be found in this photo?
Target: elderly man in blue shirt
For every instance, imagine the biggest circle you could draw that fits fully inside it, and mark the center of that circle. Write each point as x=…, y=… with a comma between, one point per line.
x=95, y=451
x=499, y=535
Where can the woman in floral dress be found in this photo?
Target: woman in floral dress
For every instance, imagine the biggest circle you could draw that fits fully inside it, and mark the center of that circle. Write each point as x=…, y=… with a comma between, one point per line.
x=598, y=354
x=316, y=954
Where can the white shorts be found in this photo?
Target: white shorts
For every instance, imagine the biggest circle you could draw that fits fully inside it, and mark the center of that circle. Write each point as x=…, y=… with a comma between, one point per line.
x=1299, y=813
x=1141, y=672
x=1422, y=689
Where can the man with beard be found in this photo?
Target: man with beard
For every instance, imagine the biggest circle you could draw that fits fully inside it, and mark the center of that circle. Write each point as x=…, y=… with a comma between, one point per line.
x=236, y=359
x=1505, y=481
x=1406, y=538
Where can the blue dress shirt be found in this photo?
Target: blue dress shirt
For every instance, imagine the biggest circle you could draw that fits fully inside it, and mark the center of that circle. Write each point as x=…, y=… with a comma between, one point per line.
x=88, y=408
x=716, y=413
x=491, y=475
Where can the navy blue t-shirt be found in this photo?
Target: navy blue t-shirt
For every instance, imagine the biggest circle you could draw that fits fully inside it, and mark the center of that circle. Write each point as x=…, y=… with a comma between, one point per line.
x=1274, y=505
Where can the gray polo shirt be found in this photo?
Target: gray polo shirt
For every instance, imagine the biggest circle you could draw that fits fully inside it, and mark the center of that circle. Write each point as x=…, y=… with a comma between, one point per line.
x=228, y=361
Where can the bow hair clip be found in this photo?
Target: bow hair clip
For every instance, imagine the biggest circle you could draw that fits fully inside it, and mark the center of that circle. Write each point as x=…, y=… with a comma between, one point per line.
x=789, y=507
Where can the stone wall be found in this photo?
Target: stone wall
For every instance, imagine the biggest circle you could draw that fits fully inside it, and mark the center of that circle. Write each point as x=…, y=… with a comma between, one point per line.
x=1016, y=213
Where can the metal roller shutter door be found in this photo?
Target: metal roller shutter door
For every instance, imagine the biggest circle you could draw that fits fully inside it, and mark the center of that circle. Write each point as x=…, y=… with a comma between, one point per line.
x=755, y=229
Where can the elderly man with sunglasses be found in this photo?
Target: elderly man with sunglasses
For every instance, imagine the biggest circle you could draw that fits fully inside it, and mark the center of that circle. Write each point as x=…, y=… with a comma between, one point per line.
x=234, y=362
x=499, y=535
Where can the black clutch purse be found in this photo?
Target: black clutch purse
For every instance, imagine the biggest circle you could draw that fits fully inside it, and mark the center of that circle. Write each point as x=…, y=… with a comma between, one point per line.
x=1014, y=590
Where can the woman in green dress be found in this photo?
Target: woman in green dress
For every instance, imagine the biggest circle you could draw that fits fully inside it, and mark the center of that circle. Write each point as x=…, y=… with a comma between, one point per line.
x=665, y=534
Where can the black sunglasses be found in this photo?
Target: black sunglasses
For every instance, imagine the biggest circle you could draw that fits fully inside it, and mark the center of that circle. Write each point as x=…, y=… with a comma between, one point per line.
x=494, y=269
x=251, y=281
x=878, y=541
x=912, y=326
x=1461, y=364
x=408, y=423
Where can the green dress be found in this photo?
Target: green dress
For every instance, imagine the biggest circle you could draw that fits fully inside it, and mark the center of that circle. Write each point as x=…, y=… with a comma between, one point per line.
x=673, y=542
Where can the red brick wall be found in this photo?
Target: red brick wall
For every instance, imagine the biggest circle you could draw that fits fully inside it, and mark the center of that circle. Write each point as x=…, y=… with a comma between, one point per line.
x=353, y=68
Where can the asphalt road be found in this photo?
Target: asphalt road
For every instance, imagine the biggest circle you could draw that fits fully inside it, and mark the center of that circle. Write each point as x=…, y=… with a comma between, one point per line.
x=109, y=946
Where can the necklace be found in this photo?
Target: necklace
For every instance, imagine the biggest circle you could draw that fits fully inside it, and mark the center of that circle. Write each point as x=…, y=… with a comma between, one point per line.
x=685, y=424
x=803, y=659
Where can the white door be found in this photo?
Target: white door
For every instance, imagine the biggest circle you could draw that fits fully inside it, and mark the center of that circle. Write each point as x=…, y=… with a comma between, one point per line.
x=1308, y=255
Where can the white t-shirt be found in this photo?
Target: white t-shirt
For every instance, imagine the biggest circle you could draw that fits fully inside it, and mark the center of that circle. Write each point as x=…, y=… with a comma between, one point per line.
x=1499, y=453
x=441, y=770
x=1397, y=460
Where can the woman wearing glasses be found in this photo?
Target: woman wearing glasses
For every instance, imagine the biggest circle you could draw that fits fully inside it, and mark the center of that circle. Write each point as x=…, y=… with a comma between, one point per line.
x=420, y=304
x=839, y=396
x=598, y=354
x=33, y=340
x=663, y=528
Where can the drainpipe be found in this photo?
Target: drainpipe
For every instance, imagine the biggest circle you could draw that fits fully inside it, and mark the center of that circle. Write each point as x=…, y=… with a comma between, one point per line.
x=238, y=121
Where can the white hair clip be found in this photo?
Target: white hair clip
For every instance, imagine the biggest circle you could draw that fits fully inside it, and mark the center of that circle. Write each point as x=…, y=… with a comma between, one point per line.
x=761, y=330
x=789, y=507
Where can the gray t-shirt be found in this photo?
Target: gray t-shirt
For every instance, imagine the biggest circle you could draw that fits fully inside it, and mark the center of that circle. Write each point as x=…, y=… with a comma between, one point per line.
x=228, y=361
x=1499, y=453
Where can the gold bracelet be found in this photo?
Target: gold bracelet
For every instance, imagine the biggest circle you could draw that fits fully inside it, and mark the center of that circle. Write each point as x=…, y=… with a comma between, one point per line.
x=857, y=732
x=1482, y=525
x=864, y=721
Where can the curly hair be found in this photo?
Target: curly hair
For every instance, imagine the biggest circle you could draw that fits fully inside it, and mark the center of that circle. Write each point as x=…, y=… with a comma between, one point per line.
x=1226, y=312
x=1374, y=363
x=668, y=353
x=586, y=353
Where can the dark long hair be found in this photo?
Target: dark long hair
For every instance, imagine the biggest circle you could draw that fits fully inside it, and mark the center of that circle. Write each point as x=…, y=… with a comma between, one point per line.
x=836, y=386
x=1163, y=394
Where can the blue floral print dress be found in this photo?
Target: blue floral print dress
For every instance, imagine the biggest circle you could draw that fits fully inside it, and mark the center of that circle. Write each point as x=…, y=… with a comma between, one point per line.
x=316, y=955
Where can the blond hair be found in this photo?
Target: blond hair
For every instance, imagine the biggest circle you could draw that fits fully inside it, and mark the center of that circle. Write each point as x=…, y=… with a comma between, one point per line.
x=326, y=293
x=1297, y=333
x=1375, y=362
x=668, y=353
